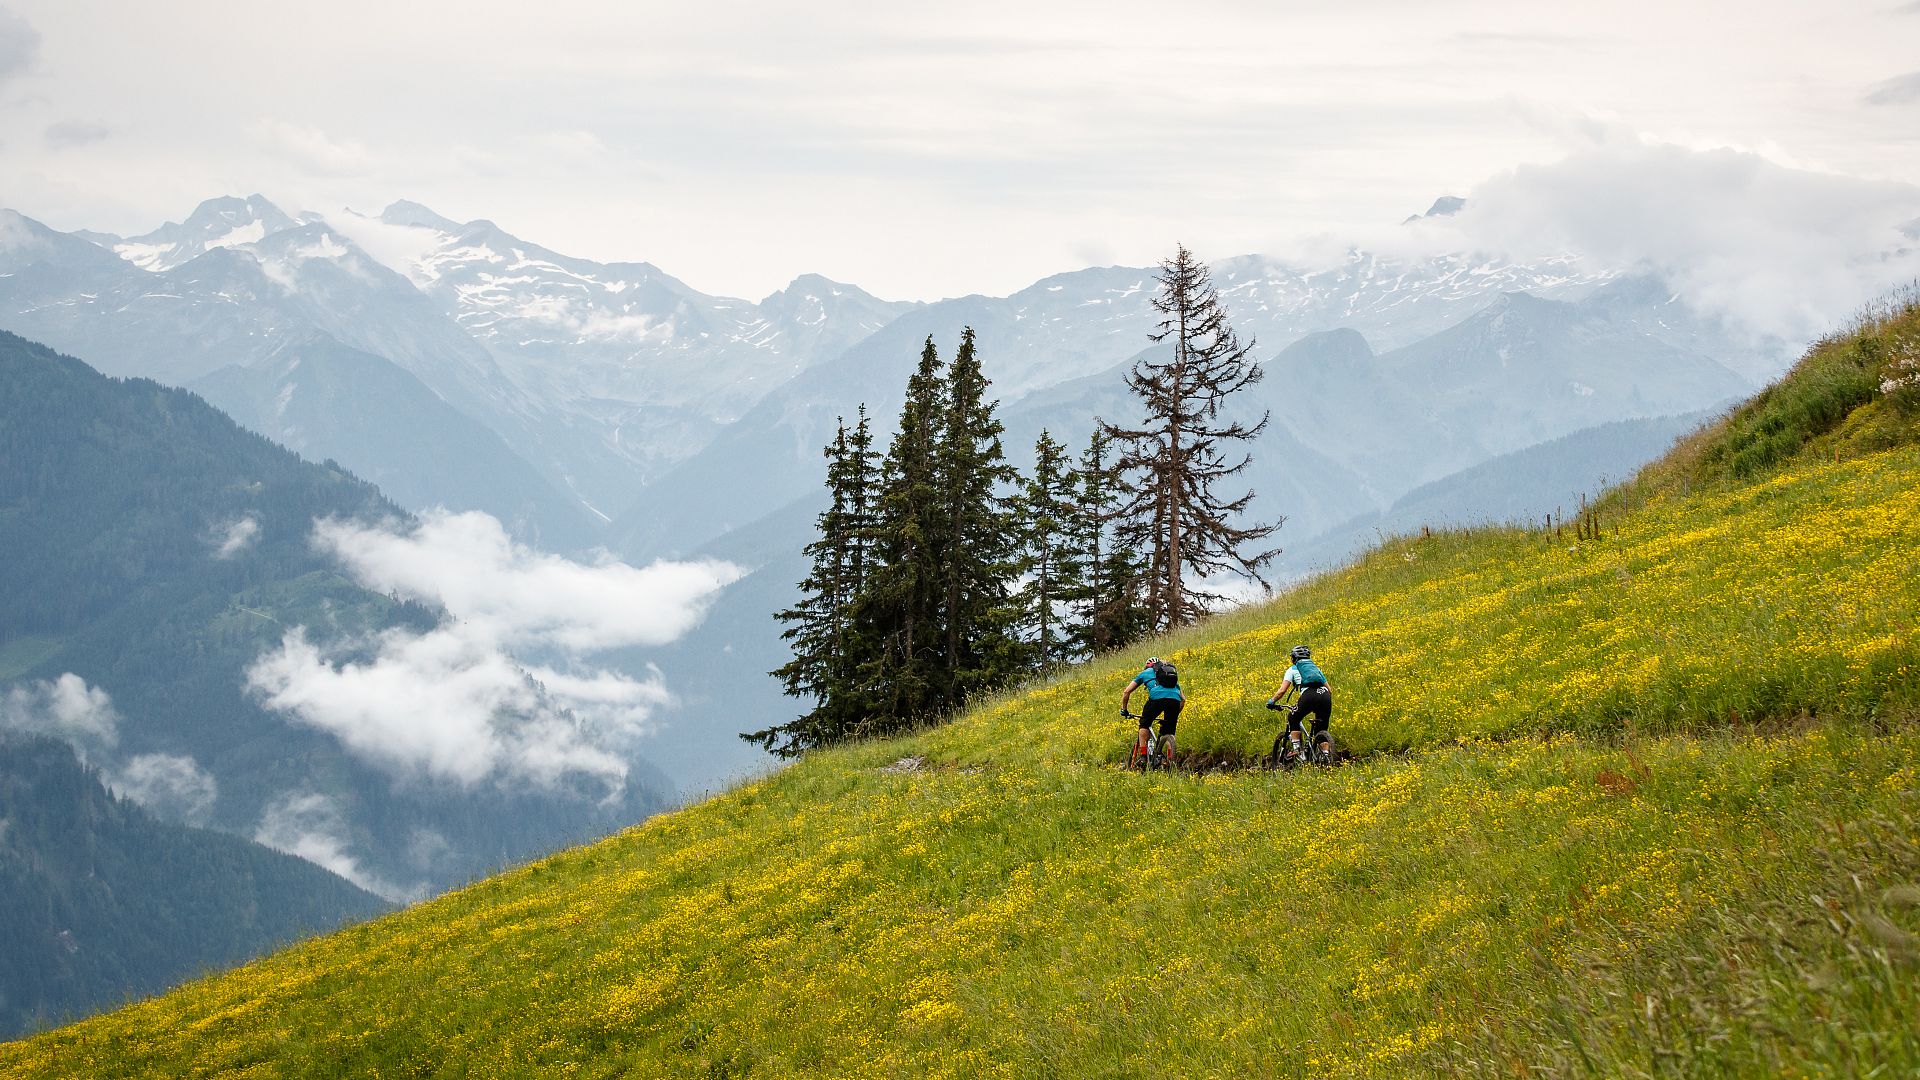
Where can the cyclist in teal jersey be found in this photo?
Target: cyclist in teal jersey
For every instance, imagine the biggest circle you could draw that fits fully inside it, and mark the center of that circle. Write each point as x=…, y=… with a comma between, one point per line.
x=1315, y=698
x=1164, y=700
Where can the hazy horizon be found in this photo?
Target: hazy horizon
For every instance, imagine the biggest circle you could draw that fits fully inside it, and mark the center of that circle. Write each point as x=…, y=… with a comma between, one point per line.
x=920, y=154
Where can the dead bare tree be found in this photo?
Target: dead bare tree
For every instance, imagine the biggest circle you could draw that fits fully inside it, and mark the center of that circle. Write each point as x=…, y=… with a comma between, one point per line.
x=1185, y=447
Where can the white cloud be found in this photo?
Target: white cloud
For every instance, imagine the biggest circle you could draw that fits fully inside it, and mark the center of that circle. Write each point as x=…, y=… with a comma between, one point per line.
x=520, y=596
x=1782, y=252
x=312, y=149
x=742, y=144
x=455, y=703
x=400, y=248
x=65, y=708
x=448, y=704
x=311, y=826
x=173, y=786
x=235, y=536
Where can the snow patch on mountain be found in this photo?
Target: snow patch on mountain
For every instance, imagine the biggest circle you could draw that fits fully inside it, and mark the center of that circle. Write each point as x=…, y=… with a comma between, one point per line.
x=239, y=234
x=638, y=361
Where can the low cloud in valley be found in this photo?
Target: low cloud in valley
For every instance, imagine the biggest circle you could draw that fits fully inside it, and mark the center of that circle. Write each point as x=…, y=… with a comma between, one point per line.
x=311, y=826
x=235, y=536
x=503, y=689
x=65, y=708
x=173, y=786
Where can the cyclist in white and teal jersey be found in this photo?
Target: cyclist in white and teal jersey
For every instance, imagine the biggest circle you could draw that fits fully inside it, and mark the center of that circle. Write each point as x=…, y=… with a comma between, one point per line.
x=1315, y=698
x=1164, y=700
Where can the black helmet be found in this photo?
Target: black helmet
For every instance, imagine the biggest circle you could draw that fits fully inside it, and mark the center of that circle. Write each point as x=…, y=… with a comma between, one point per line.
x=1301, y=652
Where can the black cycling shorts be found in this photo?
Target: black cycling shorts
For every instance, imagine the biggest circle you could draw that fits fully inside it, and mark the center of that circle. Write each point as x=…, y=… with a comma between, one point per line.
x=1167, y=709
x=1316, y=701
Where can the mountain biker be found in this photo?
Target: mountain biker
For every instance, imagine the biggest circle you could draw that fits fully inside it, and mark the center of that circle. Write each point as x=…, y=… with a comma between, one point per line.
x=1315, y=698
x=1164, y=700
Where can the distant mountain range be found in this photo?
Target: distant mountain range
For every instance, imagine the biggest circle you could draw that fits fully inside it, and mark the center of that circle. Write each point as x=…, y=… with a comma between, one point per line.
x=597, y=375
x=609, y=404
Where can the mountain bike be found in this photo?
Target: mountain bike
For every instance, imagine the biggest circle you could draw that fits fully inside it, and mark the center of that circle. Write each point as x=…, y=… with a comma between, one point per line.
x=1150, y=760
x=1303, y=753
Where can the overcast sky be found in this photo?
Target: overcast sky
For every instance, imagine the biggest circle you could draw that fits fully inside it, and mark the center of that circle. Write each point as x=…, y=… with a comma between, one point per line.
x=919, y=150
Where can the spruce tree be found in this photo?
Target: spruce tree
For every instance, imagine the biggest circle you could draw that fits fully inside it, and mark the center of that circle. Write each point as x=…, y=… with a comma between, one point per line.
x=976, y=559
x=904, y=675
x=1050, y=565
x=827, y=649
x=1110, y=612
x=1182, y=450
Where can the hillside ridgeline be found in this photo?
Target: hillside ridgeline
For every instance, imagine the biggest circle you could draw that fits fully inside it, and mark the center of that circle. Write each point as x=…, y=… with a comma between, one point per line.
x=104, y=902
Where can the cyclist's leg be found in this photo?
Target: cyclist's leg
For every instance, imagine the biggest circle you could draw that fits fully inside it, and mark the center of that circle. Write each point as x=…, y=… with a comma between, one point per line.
x=1146, y=730
x=1170, y=719
x=1322, y=709
x=1295, y=740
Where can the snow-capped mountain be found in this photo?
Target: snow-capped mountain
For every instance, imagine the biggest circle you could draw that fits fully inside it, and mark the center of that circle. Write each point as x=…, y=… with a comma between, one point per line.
x=622, y=385
x=598, y=375
x=216, y=223
x=1070, y=327
x=652, y=366
x=1394, y=302
x=251, y=306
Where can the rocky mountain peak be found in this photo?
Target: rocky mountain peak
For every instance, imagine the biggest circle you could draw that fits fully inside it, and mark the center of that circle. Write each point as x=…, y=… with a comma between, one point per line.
x=1444, y=206
x=407, y=212
x=225, y=221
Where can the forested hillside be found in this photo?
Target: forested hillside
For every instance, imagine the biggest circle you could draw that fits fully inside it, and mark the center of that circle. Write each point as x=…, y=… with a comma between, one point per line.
x=105, y=903
x=1628, y=797
x=156, y=550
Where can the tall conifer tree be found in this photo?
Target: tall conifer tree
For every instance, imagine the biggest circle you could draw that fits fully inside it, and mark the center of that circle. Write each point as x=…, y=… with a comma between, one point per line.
x=1050, y=564
x=905, y=674
x=977, y=556
x=1108, y=602
x=1184, y=449
x=828, y=649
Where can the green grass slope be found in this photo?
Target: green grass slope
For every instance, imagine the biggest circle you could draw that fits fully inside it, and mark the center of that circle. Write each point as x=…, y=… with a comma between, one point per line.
x=1633, y=804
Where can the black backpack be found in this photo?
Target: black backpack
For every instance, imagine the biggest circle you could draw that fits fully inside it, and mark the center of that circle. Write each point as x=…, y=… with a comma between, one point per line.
x=1165, y=674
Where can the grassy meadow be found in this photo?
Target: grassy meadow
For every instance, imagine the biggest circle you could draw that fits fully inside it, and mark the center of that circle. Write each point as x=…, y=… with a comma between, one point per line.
x=1639, y=803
